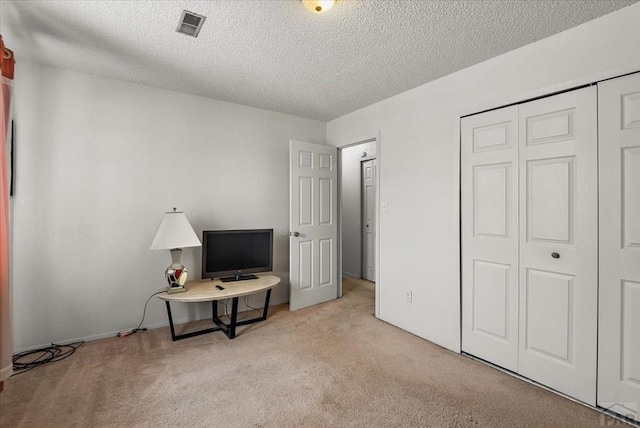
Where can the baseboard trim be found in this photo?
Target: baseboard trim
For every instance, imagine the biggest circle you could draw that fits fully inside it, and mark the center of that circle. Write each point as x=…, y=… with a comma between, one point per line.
x=176, y=321
x=5, y=373
x=350, y=275
x=604, y=412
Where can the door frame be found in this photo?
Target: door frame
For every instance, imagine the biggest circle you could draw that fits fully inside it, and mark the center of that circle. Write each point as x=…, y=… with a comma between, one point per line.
x=377, y=213
x=592, y=79
x=362, y=214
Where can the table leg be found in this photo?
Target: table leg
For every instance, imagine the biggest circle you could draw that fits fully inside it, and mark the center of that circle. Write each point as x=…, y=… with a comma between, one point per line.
x=234, y=318
x=266, y=305
x=228, y=329
x=173, y=332
x=175, y=337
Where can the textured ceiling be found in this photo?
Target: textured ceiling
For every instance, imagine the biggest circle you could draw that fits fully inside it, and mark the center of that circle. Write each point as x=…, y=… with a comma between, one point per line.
x=277, y=56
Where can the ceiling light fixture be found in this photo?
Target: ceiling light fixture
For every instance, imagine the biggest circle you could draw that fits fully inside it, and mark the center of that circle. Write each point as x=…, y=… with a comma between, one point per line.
x=318, y=6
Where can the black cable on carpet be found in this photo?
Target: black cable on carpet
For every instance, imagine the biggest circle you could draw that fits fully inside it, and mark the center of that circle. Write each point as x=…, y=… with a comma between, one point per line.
x=28, y=360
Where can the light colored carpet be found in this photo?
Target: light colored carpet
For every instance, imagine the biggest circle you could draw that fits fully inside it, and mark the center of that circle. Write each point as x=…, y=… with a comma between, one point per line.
x=331, y=365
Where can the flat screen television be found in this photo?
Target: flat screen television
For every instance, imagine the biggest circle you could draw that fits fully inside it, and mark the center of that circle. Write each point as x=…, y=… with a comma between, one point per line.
x=233, y=254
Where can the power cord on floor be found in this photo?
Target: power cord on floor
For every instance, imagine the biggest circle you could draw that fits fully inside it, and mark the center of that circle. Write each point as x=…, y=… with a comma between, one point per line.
x=226, y=309
x=245, y=314
x=38, y=357
x=125, y=333
x=53, y=353
x=251, y=307
x=137, y=329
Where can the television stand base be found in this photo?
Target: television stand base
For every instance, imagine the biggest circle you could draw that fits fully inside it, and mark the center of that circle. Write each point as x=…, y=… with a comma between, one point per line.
x=203, y=290
x=238, y=278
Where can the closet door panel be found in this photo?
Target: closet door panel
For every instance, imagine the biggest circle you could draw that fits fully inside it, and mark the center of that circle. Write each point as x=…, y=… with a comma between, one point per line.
x=619, y=310
x=490, y=236
x=558, y=242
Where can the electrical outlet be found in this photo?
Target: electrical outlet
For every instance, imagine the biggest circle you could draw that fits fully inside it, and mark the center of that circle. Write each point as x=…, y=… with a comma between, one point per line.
x=409, y=296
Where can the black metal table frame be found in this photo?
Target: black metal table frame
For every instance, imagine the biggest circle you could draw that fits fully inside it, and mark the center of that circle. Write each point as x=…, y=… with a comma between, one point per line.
x=228, y=329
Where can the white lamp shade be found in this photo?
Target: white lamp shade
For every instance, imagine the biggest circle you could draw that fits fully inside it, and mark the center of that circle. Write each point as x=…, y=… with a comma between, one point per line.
x=175, y=231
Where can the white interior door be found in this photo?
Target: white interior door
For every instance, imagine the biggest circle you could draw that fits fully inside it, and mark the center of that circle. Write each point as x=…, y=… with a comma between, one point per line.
x=558, y=242
x=368, y=180
x=619, y=327
x=313, y=263
x=490, y=236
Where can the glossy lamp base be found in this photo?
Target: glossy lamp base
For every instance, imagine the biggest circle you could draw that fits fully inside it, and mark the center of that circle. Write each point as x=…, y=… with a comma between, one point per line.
x=178, y=289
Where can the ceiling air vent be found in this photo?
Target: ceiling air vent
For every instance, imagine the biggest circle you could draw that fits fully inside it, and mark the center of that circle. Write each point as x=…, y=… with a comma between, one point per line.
x=190, y=23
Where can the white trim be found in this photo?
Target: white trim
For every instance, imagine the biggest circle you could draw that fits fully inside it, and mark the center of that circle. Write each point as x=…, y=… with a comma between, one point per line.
x=378, y=157
x=112, y=334
x=350, y=275
x=456, y=213
x=545, y=91
x=339, y=196
x=532, y=382
x=378, y=221
x=6, y=372
x=548, y=90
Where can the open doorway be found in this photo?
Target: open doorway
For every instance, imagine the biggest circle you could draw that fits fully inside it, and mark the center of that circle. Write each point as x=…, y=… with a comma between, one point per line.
x=358, y=216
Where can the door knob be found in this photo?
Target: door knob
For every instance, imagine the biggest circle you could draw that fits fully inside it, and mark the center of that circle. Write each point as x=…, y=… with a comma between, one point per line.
x=296, y=234
x=555, y=255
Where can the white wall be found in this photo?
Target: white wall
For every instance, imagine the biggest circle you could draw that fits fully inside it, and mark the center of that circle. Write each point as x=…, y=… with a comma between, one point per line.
x=98, y=163
x=351, y=195
x=419, y=153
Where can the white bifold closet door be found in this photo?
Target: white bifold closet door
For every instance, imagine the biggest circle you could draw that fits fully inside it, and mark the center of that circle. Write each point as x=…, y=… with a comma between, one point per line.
x=619, y=327
x=529, y=240
x=490, y=236
x=559, y=242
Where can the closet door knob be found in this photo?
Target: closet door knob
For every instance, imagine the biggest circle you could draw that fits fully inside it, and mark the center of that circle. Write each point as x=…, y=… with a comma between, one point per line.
x=555, y=255
x=296, y=234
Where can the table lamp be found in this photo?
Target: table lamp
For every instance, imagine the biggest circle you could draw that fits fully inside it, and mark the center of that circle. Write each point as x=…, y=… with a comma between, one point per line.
x=174, y=233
